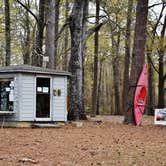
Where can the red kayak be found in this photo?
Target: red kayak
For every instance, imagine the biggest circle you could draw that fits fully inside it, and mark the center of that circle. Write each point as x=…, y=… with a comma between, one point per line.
x=140, y=96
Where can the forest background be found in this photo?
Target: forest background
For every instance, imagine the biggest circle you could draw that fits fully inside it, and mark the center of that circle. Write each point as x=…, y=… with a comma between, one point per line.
x=94, y=40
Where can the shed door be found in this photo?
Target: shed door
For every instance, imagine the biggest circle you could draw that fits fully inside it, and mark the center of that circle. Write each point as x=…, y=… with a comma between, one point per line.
x=43, y=98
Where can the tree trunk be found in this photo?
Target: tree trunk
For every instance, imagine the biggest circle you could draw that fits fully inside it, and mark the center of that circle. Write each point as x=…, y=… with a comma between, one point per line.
x=104, y=100
x=50, y=33
x=151, y=88
x=84, y=38
x=116, y=85
x=151, y=82
x=56, y=29
x=138, y=57
x=99, y=88
x=76, y=109
x=26, y=54
x=116, y=73
x=65, y=62
x=7, y=32
x=37, y=57
x=127, y=54
x=161, y=68
x=96, y=50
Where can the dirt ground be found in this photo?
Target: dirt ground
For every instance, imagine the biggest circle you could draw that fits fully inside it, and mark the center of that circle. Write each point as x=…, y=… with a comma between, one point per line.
x=96, y=143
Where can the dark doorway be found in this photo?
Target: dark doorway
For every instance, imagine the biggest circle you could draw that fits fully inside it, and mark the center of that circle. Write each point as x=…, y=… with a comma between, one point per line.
x=42, y=97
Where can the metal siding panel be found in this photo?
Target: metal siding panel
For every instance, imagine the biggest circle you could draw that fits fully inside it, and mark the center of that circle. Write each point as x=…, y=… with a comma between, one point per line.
x=59, y=101
x=28, y=90
x=65, y=101
x=16, y=97
x=19, y=95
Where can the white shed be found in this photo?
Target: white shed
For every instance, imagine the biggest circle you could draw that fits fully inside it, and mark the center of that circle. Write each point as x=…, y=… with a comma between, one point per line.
x=29, y=93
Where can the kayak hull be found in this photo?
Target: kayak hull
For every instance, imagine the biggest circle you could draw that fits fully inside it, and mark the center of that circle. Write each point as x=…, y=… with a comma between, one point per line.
x=140, y=96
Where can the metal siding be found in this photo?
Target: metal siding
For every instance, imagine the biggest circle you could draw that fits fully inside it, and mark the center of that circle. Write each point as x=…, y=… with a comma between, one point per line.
x=27, y=97
x=58, y=105
x=65, y=101
x=16, y=98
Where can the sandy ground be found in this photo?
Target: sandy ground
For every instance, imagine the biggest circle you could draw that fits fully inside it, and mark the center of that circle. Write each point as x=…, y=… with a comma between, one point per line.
x=102, y=143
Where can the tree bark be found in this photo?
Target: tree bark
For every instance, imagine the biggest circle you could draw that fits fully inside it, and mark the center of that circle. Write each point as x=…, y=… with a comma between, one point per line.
x=96, y=50
x=116, y=73
x=99, y=88
x=56, y=30
x=65, y=62
x=76, y=108
x=151, y=88
x=84, y=38
x=161, y=68
x=7, y=32
x=127, y=54
x=26, y=54
x=116, y=86
x=50, y=33
x=37, y=57
x=138, y=57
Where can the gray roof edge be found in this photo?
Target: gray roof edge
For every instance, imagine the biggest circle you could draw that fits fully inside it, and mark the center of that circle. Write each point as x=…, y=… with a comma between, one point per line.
x=32, y=69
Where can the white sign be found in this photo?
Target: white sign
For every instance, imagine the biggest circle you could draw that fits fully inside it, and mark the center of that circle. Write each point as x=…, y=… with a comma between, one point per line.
x=160, y=116
x=7, y=89
x=39, y=89
x=45, y=90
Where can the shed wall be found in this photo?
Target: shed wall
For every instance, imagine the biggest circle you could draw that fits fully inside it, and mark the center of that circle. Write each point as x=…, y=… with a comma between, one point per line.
x=27, y=96
x=59, y=102
x=16, y=116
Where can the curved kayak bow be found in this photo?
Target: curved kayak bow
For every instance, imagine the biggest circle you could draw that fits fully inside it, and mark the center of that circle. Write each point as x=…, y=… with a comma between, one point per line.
x=140, y=96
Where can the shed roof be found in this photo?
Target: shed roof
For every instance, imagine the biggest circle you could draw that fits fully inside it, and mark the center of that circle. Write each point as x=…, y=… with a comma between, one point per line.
x=32, y=69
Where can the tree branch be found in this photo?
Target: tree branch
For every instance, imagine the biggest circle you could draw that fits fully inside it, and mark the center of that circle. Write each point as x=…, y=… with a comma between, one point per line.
x=61, y=30
x=152, y=63
x=160, y=16
x=94, y=29
x=25, y=7
x=164, y=77
x=156, y=4
x=93, y=16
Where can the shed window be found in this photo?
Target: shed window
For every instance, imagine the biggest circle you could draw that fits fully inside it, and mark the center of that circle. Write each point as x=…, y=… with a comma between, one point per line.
x=6, y=94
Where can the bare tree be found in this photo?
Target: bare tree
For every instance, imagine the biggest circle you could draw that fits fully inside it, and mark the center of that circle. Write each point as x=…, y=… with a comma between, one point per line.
x=7, y=32
x=50, y=33
x=26, y=44
x=56, y=30
x=76, y=110
x=161, y=67
x=37, y=52
x=38, y=56
x=79, y=35
x=138, y=57
x=127, y=53
x=116, y=72
x=96, y=51
x=66, y=43
x=150, y=49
